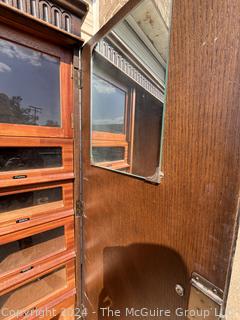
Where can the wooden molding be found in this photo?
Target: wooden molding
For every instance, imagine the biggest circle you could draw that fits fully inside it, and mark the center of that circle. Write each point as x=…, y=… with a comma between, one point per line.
x=39, y=28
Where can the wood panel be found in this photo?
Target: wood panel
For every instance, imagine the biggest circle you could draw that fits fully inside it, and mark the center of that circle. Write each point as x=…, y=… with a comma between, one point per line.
x=7, y=179
x=142, y=239
x=61, y=281
x=66, y=87
x=39, y=214
x=24, y=263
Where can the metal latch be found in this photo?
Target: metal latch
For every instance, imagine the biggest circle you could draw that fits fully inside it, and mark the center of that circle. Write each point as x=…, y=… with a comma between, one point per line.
x=206, y=300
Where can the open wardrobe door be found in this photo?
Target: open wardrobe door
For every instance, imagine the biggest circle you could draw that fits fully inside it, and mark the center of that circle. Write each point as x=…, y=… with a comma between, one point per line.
x=160, y=146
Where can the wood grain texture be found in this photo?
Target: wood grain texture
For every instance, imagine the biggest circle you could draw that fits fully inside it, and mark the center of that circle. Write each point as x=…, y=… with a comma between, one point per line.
x=27, y=259
x=66, y=86
x=142, y=239
x=38, y=214
x=38, y=175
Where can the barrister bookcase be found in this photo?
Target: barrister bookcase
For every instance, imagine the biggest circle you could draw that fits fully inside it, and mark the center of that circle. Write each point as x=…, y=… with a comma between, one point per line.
x=39, y=43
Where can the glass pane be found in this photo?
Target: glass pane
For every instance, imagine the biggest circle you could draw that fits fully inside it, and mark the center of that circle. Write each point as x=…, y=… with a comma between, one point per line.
x=106, y=154
x=129, y=73
x=32, y=292
x=108, y=106
x=22, y=252
x=21, y=158
x=148, y=122
x=29, y=86
x=29, y=199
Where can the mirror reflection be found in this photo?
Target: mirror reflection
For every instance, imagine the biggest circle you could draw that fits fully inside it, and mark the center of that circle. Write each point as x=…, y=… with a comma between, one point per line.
x=129, y=69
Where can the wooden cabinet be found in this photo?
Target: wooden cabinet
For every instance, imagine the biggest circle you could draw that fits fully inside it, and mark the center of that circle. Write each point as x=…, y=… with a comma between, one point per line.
x=37, y=222
x=37, y=292
x=34, y=160
x=29, y=252
x=24, y=207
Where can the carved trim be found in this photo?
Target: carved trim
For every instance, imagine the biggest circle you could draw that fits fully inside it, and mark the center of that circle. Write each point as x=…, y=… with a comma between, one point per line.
x=78, y=7
x=121, y=63
x=56, y=12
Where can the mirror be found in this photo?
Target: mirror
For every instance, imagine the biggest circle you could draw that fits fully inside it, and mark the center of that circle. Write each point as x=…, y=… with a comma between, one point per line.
x=128, y=85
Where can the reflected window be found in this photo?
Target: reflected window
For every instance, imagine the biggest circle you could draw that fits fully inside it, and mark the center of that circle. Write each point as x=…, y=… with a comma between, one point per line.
x=29, y=86
x=126, y=118
x=108, y=109
x=129, y=72
x=108, y=154
x=110, y=125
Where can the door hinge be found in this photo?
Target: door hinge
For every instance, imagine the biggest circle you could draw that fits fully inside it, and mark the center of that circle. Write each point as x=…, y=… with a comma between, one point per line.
x=206, y=299
x=77, y=75
x=79, y=208
x=80, y=79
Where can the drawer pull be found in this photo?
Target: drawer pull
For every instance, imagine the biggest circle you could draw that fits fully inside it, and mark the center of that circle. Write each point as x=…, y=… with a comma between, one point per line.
x=22, y=220
x=19, y=177
x=26, y=270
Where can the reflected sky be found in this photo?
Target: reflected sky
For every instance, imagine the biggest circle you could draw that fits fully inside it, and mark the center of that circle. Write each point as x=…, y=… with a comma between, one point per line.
x=108, y=106
x=35, y=78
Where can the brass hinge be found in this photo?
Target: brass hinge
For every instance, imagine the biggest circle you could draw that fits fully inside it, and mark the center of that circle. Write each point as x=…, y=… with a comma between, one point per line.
x=79, y=208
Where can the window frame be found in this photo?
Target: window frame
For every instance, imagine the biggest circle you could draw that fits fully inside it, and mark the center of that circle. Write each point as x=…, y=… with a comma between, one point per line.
x=108, y=139
x=66, y=87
